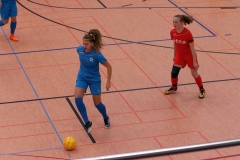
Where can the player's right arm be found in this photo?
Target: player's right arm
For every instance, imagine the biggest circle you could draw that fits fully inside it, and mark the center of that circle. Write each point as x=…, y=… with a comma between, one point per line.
x=174, y=45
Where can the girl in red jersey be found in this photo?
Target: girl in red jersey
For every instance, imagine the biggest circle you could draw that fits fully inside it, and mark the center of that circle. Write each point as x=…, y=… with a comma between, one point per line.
x=184, y=53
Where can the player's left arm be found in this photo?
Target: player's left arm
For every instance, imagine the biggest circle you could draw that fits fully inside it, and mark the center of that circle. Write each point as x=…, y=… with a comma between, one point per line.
x=192, y=48
x=109, y=74
x=194, y=55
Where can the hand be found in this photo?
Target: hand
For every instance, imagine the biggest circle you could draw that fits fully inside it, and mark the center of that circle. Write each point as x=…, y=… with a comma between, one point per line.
x=0, y=4
x=108, y=86
x=195, y=65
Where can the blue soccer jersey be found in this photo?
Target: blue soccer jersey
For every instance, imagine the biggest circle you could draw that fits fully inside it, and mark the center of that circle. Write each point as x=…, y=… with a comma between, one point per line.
x=89, y=65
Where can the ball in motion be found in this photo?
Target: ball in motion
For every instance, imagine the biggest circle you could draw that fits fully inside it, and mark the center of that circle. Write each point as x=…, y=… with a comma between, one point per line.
x=69, y=143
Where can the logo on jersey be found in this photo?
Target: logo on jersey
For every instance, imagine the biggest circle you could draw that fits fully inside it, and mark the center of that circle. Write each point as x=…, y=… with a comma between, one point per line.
x=91, y=59
x=180, y=41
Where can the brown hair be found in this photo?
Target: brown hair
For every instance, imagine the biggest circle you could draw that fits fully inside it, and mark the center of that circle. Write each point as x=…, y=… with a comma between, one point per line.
x=185, y=19
x=94, y=36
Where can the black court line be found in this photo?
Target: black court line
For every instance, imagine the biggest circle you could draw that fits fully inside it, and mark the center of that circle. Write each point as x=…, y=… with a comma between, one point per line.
x=140, y=43
x=80, y=120
x=149, y=7
x=126, y=5
x=228, y=7
x=102, y=3
x=119, y=91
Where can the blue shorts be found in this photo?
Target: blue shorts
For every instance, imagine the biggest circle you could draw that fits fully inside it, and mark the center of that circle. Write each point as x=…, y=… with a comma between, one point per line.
x=95, y=88
x=9, y=9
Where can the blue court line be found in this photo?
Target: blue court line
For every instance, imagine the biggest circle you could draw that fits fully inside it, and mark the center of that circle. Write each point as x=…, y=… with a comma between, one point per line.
x=19, y=62
x=30, y=151
x=213, y=34
x=233, y=3
x=111, y=44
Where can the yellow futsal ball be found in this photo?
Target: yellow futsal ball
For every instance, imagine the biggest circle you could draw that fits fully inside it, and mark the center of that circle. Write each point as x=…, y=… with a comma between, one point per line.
x=69, y=143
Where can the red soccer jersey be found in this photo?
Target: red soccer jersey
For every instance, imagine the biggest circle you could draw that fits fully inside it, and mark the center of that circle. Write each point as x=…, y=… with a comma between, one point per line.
x=182, y=41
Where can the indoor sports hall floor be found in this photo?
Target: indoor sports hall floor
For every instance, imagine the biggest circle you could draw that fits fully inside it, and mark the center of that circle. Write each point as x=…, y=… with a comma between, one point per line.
x=38, y=73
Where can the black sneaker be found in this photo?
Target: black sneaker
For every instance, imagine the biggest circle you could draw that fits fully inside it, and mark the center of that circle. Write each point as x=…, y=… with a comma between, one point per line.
x=107, y=122
x=88, y=126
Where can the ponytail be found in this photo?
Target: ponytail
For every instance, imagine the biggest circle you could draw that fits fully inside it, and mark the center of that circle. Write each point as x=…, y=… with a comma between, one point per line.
x=185, y=19
x=94, y=36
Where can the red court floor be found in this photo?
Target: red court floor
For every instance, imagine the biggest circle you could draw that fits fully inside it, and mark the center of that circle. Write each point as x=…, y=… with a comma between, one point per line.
x=38, y=74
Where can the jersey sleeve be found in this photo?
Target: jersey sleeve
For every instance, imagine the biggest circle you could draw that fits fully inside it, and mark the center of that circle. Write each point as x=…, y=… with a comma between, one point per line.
x=190, y=38
x=101, y=58
x=80, y=48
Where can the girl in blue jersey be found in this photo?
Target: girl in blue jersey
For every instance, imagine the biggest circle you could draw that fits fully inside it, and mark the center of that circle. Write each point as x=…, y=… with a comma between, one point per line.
x=89, y=75
x=9, y=9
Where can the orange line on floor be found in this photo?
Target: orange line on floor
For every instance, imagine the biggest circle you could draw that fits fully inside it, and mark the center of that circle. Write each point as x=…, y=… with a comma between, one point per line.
x=33, y=135
x=117, y=59
x=22, y=124
x=82, y=130
x=67, y=11
x=161, y=146
x=141, y=70
x=55, y=65
x=214, y=58
x=154, y=109
x=165, y=20
x=208, y=141
x=113, y=84
x=184, y=3
x=10, y=69
x=72, y=34
x=148, y=137
x=218, y=62
x=216, y=13
x=199, y=2
x=49, y=5
x=211, y=56
x=80, y=4
x=42, y=157
x=43, y=20
x=123, y=98
x=48, y=25
x=33, y=123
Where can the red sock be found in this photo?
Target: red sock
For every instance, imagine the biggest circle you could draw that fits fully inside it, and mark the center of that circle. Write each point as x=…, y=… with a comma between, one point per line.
x=174, y=81
x=199, y=81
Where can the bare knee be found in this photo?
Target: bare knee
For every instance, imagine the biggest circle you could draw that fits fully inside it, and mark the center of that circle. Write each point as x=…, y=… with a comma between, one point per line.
x=97, y=99
x=79, y=92
x=13, y=19
x=194, y=73
x=5, y=21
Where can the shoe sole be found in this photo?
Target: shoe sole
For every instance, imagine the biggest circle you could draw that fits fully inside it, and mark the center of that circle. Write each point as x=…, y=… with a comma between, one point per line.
x=167, y=93
x=13, y=40
x=107, y=127
x=170, y=92
x=89, y=130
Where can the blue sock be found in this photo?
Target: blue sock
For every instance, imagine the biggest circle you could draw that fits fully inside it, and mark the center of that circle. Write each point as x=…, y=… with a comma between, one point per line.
x=1, y=23
x=102, y=109
x=13, y=27
x=82, y=109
